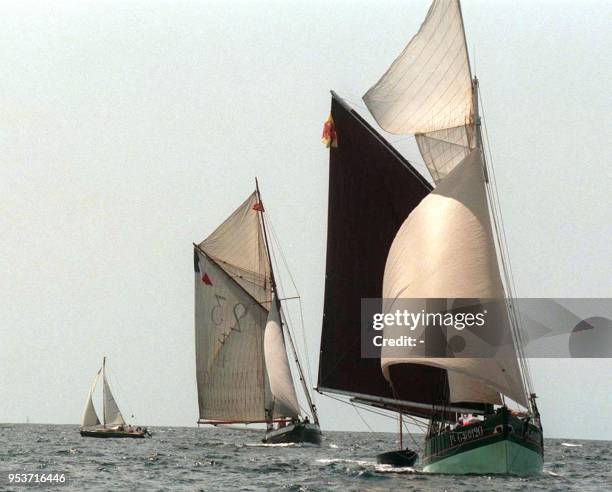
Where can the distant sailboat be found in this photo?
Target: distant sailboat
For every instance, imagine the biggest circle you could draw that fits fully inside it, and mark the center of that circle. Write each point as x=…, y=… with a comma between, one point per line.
x=113, y=424
x=243, y=371
x=392, y=235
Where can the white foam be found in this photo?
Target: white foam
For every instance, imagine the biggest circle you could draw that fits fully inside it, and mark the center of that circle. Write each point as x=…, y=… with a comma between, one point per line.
x=271, y=445
x=570, y=445
x=394, y=469
x=327, y=461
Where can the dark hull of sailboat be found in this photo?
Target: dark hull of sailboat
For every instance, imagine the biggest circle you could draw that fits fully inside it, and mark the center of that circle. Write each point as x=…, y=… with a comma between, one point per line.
x=500, y=444
x=399, y=458
x=295, y=433
x=114, y=433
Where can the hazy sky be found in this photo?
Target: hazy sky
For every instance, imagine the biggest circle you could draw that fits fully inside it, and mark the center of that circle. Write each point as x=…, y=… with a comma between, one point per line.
x=131, y=129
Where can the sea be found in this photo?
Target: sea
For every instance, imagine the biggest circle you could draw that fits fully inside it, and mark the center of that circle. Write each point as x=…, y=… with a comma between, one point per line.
x=185, y=458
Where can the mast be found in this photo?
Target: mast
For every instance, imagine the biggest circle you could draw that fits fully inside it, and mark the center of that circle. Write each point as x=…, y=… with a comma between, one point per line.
x=313, y=408
x=311, y=405
x=103, y=391
x=401, y=426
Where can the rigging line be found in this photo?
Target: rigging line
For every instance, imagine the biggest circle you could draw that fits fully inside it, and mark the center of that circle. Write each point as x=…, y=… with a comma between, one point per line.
x=289, y=321
x=121, y=392
x=363, y=407
x=406, y=430
x=420, y=425
x=354, y=102
x=505, y=257
x=304, y=377
x=286, y=265
x=519, y=319
x=509, y=302
x=361, y=417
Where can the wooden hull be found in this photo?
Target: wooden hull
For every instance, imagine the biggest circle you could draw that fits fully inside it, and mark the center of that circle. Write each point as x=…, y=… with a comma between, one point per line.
x=399, y=458
x=114, y=433
x=501, y=444
x=294, y=433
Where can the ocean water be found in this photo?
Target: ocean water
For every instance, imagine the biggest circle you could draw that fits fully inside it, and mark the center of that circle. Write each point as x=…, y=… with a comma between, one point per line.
x=180, y=458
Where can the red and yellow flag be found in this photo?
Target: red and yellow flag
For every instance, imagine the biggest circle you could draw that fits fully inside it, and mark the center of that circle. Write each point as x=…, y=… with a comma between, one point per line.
x=329, y=137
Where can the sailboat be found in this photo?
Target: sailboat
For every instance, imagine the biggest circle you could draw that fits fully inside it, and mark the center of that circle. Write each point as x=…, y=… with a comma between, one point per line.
x=243, y=372
x=113, y=424
x=394, y=236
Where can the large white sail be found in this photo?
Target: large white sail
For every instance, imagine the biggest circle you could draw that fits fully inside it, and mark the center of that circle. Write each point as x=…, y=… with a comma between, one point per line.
x=445, y=249
x=283, y=396
x=427, y=91
x=112, y=414
x=238, y=247
x=229, y=330
x=90, y=417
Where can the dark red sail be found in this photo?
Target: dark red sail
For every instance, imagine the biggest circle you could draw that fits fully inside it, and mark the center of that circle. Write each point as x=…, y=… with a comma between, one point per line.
x=372, y=189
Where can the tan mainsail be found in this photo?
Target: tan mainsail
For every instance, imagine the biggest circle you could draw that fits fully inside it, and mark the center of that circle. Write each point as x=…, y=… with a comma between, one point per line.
x=229, y=347
x=445, y=249
x=427, y=91
x=238, y=247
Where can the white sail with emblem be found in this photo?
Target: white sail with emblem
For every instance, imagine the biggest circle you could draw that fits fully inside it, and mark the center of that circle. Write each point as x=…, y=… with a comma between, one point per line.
x=229, y=325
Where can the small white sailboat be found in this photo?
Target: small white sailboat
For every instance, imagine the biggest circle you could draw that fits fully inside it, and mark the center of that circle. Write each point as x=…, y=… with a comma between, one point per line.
x=243, y=371
x=113, y=423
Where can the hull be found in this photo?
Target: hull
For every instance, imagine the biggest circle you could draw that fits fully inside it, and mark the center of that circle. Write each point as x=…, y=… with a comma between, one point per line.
x=294, y=433
x=501, y=444
x=400, y=458
x=114, y=433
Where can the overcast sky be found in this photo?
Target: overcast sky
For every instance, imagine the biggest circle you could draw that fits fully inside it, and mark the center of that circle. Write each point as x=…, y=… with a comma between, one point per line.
x=131, y=129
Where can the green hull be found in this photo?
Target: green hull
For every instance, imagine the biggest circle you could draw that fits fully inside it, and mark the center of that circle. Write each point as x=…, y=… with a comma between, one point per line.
x=502, y=457
x=500, y=444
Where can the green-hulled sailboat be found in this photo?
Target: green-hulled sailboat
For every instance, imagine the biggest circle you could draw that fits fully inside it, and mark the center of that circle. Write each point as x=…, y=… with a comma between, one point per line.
x=393, y=235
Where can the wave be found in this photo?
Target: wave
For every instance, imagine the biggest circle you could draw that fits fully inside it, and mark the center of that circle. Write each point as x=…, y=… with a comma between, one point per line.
x=570, y=445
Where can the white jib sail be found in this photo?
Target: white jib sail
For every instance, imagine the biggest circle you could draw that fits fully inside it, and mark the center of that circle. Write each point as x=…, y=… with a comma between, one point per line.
x=112, y=415
x=445, y=249
x=284, y=399
x=90, y=417
x=427, y=91
x=229, y=335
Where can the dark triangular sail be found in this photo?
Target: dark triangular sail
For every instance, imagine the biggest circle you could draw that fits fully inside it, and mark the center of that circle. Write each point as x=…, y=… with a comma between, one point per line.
x=372, y=188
